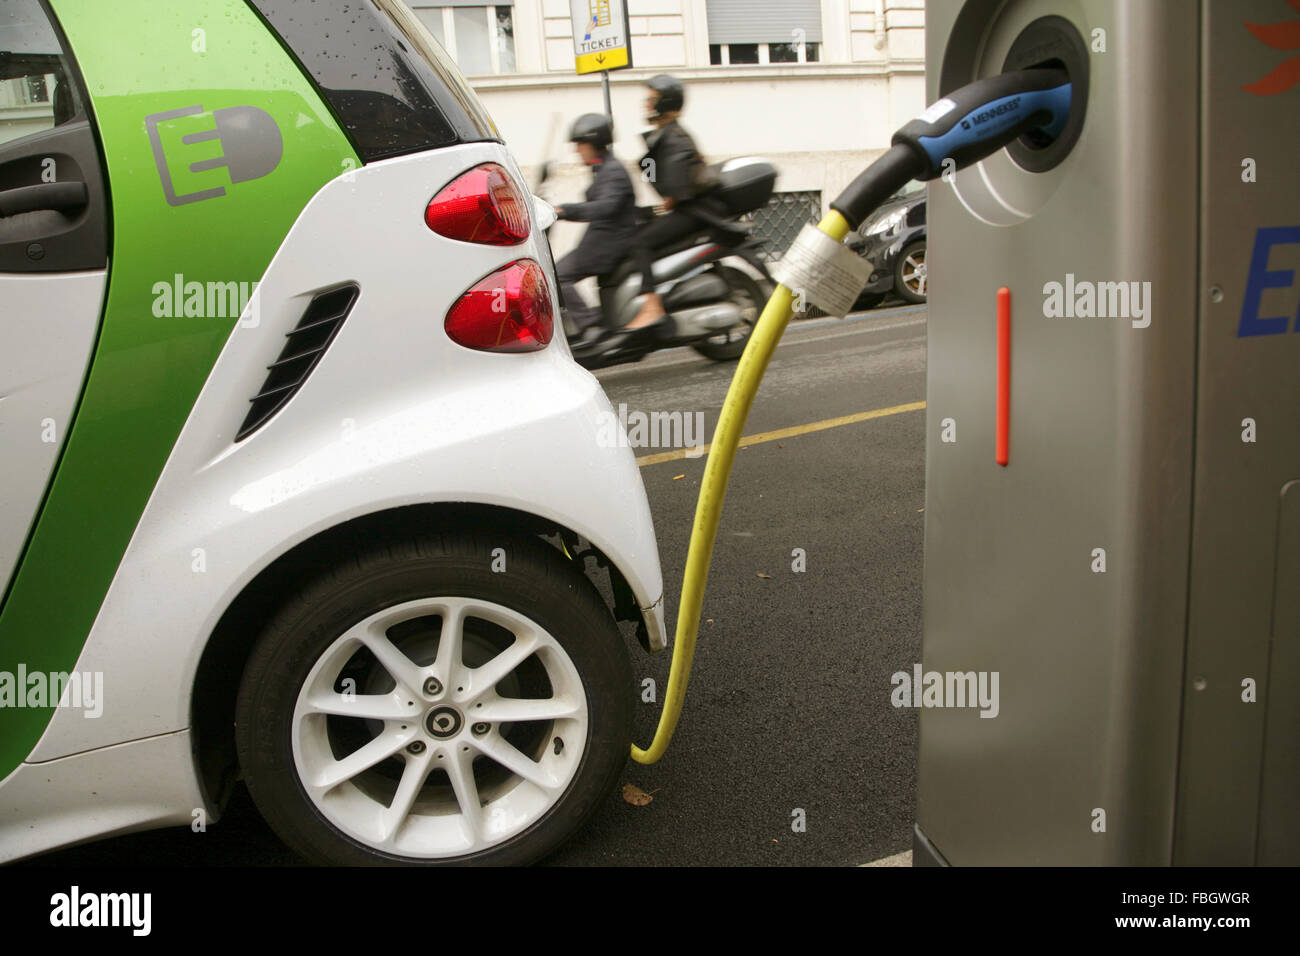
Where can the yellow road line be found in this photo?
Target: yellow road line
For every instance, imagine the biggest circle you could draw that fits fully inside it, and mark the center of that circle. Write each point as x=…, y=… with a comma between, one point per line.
x=780, y=433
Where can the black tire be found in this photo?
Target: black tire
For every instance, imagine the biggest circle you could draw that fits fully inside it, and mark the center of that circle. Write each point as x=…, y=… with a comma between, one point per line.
x=538, y=584
x=726, y=347
x=905, y=262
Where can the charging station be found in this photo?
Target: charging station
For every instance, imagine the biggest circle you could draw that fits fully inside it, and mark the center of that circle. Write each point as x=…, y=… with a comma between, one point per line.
x=1113, y=444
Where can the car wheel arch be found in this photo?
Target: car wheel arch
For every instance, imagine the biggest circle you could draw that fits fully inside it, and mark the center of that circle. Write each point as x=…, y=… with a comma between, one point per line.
x=221, y=665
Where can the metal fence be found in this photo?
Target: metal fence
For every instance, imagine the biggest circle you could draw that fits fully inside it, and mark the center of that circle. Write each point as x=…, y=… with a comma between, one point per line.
x=780, y=220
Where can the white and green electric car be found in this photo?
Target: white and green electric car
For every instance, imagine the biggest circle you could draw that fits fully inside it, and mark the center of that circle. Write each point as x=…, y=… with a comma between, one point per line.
x=300, y=484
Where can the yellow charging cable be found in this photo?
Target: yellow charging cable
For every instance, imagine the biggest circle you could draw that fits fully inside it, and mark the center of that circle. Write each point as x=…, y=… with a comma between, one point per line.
x=908, y=157
x=708, y=510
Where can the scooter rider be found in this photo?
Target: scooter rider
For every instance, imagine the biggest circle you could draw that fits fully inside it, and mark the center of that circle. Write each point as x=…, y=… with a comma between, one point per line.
x=611, y=210
x=676, y=169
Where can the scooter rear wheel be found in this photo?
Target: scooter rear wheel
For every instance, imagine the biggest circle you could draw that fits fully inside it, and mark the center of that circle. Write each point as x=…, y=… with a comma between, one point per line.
x=746, y=293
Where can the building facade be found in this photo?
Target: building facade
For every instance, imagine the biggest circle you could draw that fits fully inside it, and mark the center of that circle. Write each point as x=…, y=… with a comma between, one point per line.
x=815, y=86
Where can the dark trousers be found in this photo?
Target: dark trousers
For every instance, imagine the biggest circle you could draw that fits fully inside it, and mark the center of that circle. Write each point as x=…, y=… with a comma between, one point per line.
x=658, y=233
x=569, y=271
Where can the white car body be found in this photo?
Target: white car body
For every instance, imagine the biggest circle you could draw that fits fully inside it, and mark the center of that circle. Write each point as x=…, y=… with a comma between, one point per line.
x=395, y=415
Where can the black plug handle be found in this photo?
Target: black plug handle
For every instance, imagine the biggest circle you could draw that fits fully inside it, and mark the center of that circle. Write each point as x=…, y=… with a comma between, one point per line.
x=876, y=183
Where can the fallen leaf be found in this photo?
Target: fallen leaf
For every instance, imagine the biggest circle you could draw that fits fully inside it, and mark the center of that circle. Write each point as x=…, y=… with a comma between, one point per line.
x=762, y=575
x=636, y=796
x=708, y=620
x=779, y=445
x=675, y=477
x=919, y=510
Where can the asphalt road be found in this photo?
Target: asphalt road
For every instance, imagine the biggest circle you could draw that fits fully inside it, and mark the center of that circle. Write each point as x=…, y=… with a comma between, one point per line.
x=788, y=708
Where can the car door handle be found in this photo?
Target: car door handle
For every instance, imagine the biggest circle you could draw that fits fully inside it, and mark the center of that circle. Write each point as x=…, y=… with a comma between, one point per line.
x=60, y=196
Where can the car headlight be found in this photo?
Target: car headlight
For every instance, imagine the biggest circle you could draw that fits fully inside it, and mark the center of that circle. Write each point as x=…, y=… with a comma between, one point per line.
x=886, y=226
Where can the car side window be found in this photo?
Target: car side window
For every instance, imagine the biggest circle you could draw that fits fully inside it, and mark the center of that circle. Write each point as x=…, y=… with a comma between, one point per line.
x=37, y=91
x=53, y=206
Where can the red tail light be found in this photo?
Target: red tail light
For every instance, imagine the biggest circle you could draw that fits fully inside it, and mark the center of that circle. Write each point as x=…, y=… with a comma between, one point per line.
x=482, y=205
x=508, y=311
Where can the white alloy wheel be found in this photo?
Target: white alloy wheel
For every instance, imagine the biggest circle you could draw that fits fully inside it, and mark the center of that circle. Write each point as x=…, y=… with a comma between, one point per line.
x=417, y=732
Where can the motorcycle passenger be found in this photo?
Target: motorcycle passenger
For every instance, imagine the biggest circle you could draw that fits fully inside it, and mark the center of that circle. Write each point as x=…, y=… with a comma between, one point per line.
x=610, y=209
x=678, y=173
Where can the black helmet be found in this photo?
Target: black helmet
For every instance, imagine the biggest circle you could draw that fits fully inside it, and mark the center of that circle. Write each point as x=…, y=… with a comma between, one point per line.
x=671, y=94
x=592, y=128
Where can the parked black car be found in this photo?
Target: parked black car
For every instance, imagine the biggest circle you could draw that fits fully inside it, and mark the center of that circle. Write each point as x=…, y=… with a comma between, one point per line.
x=893, y=240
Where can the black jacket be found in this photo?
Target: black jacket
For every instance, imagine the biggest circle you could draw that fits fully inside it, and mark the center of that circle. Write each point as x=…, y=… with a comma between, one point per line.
x=611, y=210
x=674, y=166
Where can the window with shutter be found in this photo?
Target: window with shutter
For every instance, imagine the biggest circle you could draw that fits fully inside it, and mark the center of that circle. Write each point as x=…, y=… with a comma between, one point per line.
x=743, y=32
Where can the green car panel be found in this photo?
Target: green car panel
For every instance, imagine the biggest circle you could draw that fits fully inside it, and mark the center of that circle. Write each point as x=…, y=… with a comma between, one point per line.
x=199, y=194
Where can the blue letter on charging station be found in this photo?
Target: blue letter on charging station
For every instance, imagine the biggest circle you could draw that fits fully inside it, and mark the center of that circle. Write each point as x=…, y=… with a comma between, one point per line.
x=1260, y=278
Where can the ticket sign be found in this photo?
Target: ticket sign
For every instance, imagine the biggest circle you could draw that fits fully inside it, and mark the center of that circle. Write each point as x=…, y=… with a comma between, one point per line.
x=601, y=39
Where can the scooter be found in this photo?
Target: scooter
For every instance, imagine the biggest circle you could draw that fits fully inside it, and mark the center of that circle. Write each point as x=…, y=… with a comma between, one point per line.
x=712, y=305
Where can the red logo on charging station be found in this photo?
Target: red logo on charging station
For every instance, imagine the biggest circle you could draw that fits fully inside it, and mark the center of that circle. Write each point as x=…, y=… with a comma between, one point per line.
x=1280, y=36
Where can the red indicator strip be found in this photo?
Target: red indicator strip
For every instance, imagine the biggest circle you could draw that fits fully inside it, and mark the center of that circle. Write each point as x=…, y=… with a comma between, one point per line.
x=1004, y=375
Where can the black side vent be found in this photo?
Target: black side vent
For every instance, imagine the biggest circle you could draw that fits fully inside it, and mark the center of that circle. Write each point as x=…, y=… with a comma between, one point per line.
x=304, y=348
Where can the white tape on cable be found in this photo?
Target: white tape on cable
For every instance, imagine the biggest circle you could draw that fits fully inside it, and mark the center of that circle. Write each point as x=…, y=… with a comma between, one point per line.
x=822, y=271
